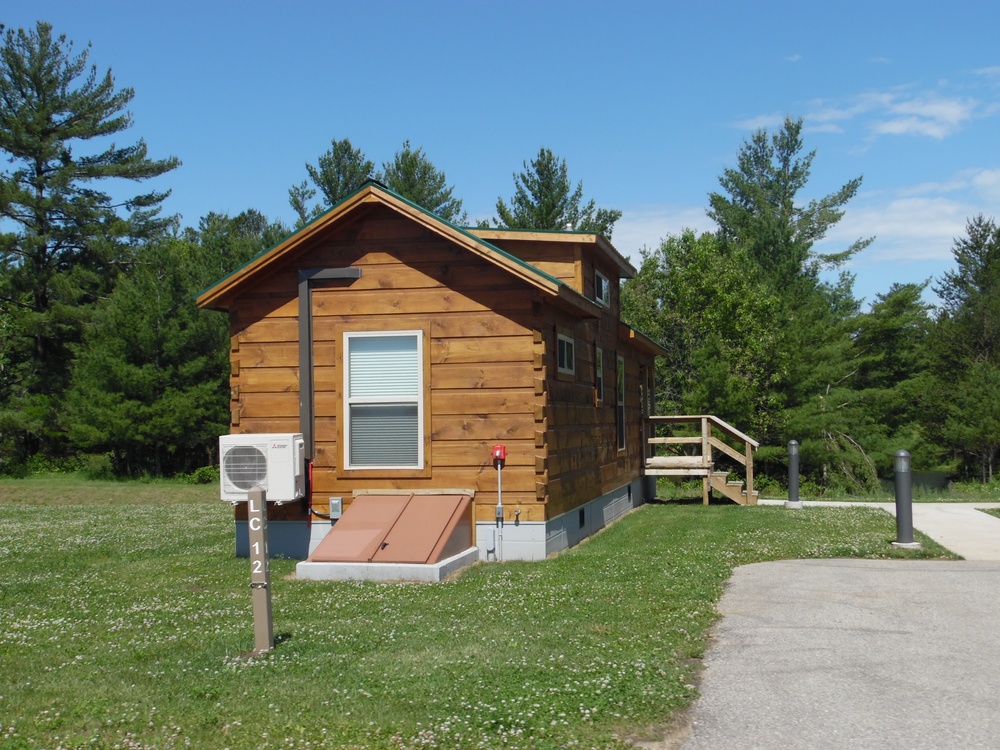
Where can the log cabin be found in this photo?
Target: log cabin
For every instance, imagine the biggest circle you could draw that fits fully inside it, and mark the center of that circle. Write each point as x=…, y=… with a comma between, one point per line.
x=404, y=348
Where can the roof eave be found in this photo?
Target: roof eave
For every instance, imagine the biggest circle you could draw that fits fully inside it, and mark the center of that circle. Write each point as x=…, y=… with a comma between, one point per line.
x=217, y=296
x=641, y=341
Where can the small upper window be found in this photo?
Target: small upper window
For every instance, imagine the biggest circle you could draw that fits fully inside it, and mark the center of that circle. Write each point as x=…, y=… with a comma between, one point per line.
x=566, y=355
x=602, y=289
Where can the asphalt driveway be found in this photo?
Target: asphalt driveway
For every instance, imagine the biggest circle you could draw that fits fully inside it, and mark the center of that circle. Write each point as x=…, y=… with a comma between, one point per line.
x=853, y=654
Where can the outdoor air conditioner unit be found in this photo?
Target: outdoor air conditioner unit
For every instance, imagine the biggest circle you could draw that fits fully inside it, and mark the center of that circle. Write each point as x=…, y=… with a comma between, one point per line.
x=274, y=462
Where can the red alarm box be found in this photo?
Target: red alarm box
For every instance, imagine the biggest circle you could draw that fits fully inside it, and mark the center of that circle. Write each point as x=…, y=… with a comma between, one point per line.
x=499, y=452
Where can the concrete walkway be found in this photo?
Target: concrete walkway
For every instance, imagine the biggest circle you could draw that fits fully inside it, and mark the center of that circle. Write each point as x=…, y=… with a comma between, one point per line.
x=859, y=653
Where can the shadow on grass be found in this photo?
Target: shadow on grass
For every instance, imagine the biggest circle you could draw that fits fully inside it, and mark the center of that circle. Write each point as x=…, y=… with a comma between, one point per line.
x=690, y=501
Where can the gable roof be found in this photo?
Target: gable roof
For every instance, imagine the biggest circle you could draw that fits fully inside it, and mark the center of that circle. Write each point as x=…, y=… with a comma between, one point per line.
x=219, y=295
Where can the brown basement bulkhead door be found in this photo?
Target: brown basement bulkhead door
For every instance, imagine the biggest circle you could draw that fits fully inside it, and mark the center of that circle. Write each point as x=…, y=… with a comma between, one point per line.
x=399, y=529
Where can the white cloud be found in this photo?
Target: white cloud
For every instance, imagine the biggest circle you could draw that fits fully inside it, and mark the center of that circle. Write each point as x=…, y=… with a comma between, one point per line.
x=928, y=115
x=907, y=229
x=916, y=223
x=982, y=186
x=793, y=58
x=898, y=111
x=987, y=183
x=644, y=227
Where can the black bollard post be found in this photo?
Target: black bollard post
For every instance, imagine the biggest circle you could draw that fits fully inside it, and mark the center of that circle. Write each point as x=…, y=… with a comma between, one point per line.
x=793, y=476
x=904, y=502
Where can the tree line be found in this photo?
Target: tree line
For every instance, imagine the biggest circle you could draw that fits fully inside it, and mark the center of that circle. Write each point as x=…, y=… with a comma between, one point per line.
x=759, y=335
x=106, y=364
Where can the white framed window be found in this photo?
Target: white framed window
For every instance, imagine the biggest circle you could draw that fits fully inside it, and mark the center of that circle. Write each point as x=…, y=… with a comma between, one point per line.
x=383, y=400
x=620, y=407
x=602, y=289
x=565, y=354
x=599, y=377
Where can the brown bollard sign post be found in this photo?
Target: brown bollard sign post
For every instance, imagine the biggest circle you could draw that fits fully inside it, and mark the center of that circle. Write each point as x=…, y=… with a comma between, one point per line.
x=260, y=571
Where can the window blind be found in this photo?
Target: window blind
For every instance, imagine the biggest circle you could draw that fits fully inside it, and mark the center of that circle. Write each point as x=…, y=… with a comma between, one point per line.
x=383, y=400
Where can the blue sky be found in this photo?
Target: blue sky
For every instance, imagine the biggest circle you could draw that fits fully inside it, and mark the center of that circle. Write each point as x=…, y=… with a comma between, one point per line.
x=648, y=102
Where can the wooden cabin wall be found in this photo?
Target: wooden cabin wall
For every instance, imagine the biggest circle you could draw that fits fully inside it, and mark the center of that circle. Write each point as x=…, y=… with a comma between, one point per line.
x=264, y=374
x=559, y=260
x=480, y=346
x=580, y=457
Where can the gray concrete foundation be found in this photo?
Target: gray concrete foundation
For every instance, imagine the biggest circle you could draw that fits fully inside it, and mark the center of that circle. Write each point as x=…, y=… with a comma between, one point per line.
x=294, y=540
x=536, y=540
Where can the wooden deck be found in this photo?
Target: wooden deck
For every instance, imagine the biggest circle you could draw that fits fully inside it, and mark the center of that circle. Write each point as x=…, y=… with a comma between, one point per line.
x=687, y=446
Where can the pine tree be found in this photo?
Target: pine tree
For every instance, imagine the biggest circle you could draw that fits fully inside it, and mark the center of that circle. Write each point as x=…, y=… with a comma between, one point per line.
x=891, y=344
x=66, y=238
x=338, y=172
x=150, y=385
x=544, y=199
x=414, y=176
x=966, y=351
x=764, y=229
x=758, y=210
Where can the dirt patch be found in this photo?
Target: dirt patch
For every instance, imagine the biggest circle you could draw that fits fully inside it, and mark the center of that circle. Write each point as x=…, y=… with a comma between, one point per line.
x=670, y=736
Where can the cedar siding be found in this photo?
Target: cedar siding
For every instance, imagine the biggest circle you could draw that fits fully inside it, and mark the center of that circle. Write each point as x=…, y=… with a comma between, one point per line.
x=490, y=325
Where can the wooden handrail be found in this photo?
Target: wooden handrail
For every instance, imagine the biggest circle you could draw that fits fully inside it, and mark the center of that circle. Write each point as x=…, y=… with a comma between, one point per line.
x=724, y=426
x=707, y=443
x=732, y=431
x=731, y=452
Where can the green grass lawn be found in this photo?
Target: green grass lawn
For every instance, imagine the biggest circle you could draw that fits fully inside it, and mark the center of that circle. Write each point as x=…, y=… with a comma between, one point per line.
x=125, y=621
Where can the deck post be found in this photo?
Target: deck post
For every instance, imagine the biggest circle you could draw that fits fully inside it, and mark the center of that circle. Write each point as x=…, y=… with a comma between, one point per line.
x=706, y=457
x=706, y=446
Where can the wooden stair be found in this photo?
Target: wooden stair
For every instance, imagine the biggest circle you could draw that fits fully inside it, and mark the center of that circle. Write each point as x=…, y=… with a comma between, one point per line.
x=699, y=460
x=735, y=490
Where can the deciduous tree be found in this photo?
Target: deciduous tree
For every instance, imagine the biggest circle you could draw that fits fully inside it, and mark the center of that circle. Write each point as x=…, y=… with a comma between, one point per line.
x=715, y=319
